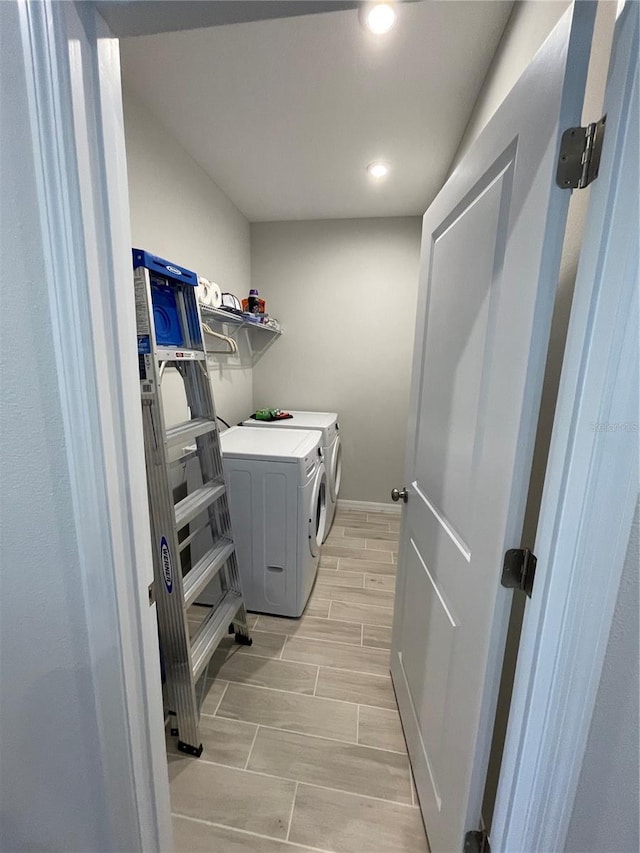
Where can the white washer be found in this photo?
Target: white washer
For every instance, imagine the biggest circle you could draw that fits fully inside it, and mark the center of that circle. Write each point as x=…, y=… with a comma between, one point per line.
x=327, y=424
x=277, y=496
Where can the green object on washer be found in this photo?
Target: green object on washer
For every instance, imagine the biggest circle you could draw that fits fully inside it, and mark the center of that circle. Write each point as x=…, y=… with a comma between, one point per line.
x=265, y=414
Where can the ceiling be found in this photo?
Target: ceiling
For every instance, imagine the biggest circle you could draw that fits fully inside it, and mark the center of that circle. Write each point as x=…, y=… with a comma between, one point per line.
x=285, y=114
x=145, y=17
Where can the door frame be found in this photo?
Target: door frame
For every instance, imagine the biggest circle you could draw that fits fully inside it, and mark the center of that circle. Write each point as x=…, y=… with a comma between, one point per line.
x=82, y=189
x=120, y=466
x=568, y=620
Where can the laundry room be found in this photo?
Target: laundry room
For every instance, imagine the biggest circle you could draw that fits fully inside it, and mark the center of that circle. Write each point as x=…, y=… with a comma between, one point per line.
x=291, y=160
x=333, y=250
x=326, y=203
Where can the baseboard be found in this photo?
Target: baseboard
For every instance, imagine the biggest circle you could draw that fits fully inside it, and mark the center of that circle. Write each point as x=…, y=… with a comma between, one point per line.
x=368, y=506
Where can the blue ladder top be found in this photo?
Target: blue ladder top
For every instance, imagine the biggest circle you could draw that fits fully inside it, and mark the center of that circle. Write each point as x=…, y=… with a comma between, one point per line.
x=164, y=268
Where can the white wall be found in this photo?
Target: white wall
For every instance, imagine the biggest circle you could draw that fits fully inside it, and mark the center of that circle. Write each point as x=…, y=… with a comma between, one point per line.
x=54, y=775
x=605, y=813
x=527, y=28
x=179, y=213
x=345, y=292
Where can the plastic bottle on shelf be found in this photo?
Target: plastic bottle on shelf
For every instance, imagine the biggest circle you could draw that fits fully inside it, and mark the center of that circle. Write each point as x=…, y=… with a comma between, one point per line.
x=254, y=302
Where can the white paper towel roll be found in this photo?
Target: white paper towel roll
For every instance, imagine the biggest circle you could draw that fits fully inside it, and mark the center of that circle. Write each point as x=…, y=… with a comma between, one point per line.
x=204, y=291
x=215, y=294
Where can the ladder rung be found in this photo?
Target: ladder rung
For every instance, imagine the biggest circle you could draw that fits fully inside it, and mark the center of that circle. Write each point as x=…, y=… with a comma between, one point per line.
x=213, y=630
x=191, y=506
x=205, y=569
x=178, y=354
x=182, y=544
x=186, y=432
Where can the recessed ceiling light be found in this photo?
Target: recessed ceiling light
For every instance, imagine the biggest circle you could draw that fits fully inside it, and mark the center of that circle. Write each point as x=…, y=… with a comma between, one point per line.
x=378, y=169
x=379, y=18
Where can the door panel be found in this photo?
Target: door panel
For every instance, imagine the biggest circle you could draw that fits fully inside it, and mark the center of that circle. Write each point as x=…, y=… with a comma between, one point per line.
x=490, y=259
x=427, y=668
x=467, y=256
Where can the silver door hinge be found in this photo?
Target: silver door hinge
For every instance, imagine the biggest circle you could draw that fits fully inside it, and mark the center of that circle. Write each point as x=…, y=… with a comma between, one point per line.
x=579, y=159
x=477, y=842
x=519, y=569
x=152, y=593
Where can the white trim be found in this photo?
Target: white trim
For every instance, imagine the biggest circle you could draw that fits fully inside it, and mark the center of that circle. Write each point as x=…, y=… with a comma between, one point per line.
x=589, y=497
x=73, y=81
x=368, y=506
x=129, y=492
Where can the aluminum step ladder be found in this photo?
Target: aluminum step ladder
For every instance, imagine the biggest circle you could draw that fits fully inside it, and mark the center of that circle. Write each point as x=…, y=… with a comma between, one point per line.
x=170, y=334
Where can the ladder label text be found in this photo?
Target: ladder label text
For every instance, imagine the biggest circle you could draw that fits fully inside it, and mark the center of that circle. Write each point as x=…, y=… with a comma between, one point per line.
x=165, y=559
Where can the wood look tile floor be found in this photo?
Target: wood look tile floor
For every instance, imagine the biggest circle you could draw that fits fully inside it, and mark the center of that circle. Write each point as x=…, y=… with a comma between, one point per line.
x=303, y=746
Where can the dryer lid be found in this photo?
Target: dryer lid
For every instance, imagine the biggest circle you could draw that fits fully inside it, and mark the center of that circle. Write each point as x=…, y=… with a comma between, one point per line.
x=325, y=421
x=287, y=445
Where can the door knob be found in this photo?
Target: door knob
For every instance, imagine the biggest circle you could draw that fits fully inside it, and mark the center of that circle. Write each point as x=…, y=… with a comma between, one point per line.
x=399, y=494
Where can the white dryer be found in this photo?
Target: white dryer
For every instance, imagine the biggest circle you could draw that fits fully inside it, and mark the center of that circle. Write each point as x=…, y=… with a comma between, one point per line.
x=327, y=424
x=277, y=496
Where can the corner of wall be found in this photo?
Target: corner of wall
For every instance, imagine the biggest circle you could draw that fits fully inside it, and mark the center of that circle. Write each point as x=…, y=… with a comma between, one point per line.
x=528, y=26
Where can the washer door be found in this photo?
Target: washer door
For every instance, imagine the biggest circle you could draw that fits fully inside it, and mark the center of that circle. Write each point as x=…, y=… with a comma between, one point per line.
x=336, y=469
x=318, y=511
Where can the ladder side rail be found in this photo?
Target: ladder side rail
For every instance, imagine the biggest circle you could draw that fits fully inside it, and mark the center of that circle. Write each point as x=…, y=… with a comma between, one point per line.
x=200, y=400
x=174, y=629
x=199, y=393
x=174, y=633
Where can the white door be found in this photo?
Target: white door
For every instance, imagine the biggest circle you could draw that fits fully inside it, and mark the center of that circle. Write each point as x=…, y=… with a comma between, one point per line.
x=490, y=257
